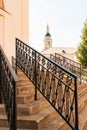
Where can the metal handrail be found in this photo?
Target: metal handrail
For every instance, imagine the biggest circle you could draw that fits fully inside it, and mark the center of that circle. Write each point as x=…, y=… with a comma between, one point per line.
x=8, y=81
x=9, y=65
x=57, y=84
x=68, y=59
x=71, y=65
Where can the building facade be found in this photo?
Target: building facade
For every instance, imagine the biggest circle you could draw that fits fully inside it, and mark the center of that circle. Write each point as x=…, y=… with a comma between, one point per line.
x=68, y=52
x=13, y=23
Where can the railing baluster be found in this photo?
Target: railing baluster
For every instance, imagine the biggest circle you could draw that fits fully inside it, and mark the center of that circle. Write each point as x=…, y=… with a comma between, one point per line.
x=56, y=84
x=76, y=106
x=15, y=108
x=35, y=75
x=8, y=81
x=0, y=79
x=72, y=66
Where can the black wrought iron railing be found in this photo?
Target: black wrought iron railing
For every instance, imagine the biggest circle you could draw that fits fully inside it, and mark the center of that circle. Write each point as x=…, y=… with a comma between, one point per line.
x=56, y=84
x=8, y=81
x=71, y=65
x=84, y=76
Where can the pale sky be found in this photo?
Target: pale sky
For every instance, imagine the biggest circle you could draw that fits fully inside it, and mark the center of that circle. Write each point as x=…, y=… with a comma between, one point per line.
x=65, y=19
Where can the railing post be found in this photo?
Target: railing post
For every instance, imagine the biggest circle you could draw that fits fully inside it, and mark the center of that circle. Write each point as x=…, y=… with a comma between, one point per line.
x=0, y=79
x=35, y=79
x=15, y=107
x=55, y=57
x=16, y=54
x=76, y=106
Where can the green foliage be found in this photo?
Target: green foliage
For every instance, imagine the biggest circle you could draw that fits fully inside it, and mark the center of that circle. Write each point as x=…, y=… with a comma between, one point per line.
x=82, y=48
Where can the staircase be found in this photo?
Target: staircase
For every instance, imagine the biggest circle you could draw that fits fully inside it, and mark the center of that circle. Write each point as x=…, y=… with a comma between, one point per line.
x=39, y=115
x=49, y=96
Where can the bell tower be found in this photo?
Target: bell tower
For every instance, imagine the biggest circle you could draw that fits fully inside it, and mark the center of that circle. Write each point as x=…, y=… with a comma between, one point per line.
x=47, y=39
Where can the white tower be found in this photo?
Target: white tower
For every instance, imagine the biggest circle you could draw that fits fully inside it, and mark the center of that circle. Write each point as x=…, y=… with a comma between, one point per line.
x=47, y=39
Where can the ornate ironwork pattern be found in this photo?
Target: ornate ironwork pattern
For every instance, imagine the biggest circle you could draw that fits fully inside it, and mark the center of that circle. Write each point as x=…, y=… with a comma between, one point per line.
x=71, y=65
x=84, y=76
x=56, y=84
x=8, y=90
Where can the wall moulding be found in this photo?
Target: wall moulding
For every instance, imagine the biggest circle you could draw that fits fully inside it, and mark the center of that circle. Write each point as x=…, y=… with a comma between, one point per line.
x=4, y=12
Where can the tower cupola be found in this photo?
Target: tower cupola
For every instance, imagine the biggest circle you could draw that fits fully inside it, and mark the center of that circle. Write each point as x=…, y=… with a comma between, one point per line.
x=47, y=39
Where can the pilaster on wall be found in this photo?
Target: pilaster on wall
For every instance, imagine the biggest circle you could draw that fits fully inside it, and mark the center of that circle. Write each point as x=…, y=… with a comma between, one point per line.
x=1, y=4
x=14, y=25
x=25, y=20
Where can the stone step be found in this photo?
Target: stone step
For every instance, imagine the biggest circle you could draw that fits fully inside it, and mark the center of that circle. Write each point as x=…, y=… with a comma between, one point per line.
x=82, y=92
x=27, y=109
x=26, y=89
x=32, y=107
x=83, y=118
x=21, y=75
x=23, y=82
x=26, y=98
x=36, y=121
x=85, y=126
x=3, y=121
x=5, y=128
x=82, y=102
x=57, y=124
x=81, y=86
x=39, y=115
x=2, y=109
x=36, y=106
x=23, y=99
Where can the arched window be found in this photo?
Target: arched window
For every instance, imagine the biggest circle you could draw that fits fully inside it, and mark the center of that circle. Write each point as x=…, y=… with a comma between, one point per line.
x=1, y=4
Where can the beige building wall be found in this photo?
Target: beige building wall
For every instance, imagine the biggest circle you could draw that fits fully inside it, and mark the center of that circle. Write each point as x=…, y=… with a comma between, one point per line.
x=13, y=23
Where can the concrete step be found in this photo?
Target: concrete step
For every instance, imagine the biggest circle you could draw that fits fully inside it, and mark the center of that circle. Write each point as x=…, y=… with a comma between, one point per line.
x=38, y=120
x=5, y=128
x=2, y=109
x=81, y=86
x=23, y=80
x=3, y=121
x=57, y=124
x=34, y=122
x=83, y=118
x=26, y=89
x=26, y=98
x=37, y=106
x=39, y=115
x=85, y=126
x=23, y=83
x=82, y=101
x=27, y=109
x=82, y=91
x=32, y=107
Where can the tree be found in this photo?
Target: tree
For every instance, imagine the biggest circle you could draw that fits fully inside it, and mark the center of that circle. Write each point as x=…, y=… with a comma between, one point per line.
x=82, y=48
